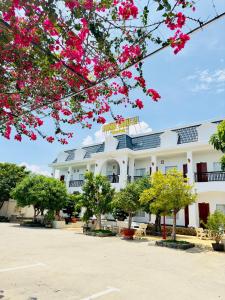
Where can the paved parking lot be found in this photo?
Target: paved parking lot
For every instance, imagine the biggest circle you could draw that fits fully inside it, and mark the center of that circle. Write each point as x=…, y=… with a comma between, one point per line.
x=47, y=264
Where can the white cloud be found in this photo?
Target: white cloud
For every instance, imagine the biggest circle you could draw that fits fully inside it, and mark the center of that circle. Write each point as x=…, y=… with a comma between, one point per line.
x=35, y=169
x=99, y=136
x=140, y=128
x=206, y=80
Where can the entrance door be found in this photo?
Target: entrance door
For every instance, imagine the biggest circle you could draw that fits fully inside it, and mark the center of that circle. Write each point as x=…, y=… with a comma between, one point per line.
x=186, y=216
x=203, y=209
x=185, y=170
x=201, y=169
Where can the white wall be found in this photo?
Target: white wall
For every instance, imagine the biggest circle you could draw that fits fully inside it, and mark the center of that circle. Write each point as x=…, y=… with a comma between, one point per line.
x=142, y=164
x=10, y=208
x=77, y=171
x=177, y=160
x=210, y=157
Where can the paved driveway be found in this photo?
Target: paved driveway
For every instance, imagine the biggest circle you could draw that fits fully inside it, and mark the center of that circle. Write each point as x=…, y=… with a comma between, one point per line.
x=47, y=264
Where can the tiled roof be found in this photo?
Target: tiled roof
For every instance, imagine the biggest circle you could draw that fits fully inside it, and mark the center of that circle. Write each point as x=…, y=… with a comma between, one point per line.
x=146, y=141
x=55, y=161
x=187, y=134
x=125, y=141
x=93, y=149
x=71, y=155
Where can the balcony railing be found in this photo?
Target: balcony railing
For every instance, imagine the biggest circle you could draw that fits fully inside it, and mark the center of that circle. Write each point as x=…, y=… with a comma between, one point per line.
x=76, y=183
x=210, y=176
x=137, y=177
x=113, y=178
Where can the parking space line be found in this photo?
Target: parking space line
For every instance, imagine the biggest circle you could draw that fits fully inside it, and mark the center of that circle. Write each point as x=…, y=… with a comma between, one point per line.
x=22, y=267
x=102, y=293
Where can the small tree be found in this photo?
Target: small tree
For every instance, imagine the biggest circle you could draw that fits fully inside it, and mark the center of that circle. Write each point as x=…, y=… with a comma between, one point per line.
x=169, y=194
x=71, y=207
x=10, y=175
x=96, y=197
x=149, y=198
x=216, y=223
x=218, y=141
x=128, y=199
x=41, y=192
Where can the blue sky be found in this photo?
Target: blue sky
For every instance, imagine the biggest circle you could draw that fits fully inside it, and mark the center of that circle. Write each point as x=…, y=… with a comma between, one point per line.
x=191, y=83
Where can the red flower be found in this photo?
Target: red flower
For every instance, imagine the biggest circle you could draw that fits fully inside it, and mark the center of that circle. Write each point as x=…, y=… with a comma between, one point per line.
x=155, y=95
x=18, y=137
x=33, y=136
x=101, y=120
x=50, y=139
x=139, y=103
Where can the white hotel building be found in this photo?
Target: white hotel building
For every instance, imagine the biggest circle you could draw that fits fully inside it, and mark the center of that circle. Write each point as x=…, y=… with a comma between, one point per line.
x=131, y=157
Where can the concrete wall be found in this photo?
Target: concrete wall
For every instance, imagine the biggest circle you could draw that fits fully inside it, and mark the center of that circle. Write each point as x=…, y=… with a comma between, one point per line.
x=10, y=208
x=210, y=157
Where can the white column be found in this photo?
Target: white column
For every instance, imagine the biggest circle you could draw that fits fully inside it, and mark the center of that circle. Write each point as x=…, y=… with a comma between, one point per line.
x=131, y=169
x=53, y=172
x=123, y=172
x=193, y=215
x=88, y=168
x=98, y=167
x=190, y=169
x=154, y=164
x=69, y=176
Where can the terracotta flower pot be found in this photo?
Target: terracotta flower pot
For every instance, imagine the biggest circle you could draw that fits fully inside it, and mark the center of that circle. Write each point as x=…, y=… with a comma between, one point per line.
x=74, y=220
x=127, y=233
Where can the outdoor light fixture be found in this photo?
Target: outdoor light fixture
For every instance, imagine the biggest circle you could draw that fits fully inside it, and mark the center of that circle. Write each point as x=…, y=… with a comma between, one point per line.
x=153, y=163
x=189, y=160
x=162, y=162
x=123, y=162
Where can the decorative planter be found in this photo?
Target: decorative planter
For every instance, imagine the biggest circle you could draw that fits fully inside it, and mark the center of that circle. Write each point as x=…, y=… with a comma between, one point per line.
x=218, y=247
x=58, y=224
x=74, y=220
x=175, y=245
x=127, y=233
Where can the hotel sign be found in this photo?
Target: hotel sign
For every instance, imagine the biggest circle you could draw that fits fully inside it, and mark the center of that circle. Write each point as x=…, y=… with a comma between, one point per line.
x=123, y=127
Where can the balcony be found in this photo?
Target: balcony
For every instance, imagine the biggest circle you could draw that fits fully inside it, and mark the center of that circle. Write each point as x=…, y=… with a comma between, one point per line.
x=210, y=176
x=113, y=178
x=76, y=183
x=138, y=177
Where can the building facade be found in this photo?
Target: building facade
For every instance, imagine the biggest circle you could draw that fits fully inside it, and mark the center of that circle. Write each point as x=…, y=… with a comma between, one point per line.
x=123, y=158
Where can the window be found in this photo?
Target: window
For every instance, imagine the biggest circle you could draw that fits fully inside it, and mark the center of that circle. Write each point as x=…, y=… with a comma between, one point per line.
x=167, y=168
x=217, y=166
x=140, y=214
x=221, y=207
x=81, y=176
x=140, y=172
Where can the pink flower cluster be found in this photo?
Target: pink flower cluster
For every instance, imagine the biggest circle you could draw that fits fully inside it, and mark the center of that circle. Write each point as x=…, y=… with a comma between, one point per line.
x=178, y=41
x=129, y=52
x=176, y=22
x=127, y=9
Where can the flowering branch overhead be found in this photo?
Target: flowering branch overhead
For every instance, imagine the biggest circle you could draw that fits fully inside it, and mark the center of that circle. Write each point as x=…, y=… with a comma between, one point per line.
x=55, y=57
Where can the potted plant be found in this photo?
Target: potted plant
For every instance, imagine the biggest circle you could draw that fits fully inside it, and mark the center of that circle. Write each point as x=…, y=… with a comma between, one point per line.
x=58, y=221
x=216, y=224
x=49, y=218
x=127, y=200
